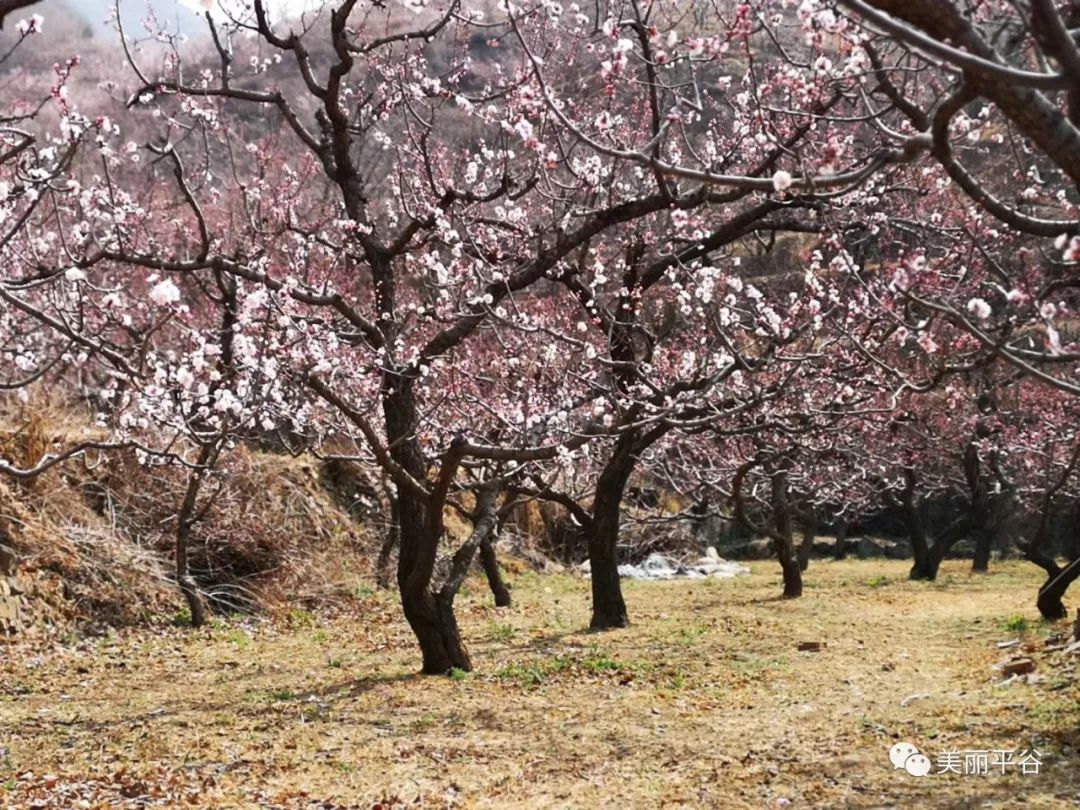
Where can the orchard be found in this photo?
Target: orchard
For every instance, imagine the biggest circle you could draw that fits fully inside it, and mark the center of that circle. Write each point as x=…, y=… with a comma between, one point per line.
x=382, y=318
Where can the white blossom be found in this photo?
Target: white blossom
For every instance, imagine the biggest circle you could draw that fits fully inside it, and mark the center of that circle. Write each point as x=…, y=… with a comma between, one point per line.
x=782, y=180
x=979, y=308
x=165, y=293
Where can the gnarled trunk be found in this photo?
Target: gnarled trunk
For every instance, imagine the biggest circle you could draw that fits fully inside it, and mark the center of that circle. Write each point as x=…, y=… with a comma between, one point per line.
x=925, y=567
x=984, y=541
x=1058, y=579
x=927, y=557
x=431, y=619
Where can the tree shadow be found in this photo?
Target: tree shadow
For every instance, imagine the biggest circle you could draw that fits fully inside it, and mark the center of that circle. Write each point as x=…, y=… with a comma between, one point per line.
x=278, y=693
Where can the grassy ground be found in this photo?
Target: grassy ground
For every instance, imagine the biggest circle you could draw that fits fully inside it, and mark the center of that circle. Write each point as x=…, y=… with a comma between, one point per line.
x=704, y=702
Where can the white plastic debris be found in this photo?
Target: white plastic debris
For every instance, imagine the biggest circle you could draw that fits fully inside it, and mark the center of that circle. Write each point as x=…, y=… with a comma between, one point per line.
x=658, y=566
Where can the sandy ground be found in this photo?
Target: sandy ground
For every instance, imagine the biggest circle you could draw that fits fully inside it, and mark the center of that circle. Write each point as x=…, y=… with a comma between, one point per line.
x=704, y=702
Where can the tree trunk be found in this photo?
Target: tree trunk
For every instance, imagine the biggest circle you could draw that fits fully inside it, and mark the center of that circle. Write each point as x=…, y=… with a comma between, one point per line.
x=432, y=622
x=186, y=517
x=979, y=510
x=1074, y=535
x=390, y=541
x=840, y=549
x=783, y=543
x=1050, y=602
x=924, y=568
x=809, y=535
x=792, y=578
x=608, y=607
x=926, y=562
x=196, y=607
x=494, y=576
x=984, y=540
x=928, y=559
x=1050, y=594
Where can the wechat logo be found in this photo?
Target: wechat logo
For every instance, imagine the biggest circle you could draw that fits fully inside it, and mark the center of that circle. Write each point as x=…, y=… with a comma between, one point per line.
x=907, y=756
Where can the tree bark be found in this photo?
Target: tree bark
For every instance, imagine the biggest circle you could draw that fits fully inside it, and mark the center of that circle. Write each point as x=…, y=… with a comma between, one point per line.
x=609, y=608
x=1074, y=534
x=783, y=542
x=494, y=575
x=984, y=540
x=809, y=535
x=927, y=561
x=840, y=549
x=432, y=621
x=1050, y=602
x=186, y=517
x=435, y=627
x=979, y=510
x=391, y=540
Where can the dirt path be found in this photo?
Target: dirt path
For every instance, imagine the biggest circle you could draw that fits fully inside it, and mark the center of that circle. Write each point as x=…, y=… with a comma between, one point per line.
x=704, y=702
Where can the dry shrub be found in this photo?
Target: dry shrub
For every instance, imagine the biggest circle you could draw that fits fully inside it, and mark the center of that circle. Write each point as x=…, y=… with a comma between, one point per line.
x=266, y=529
x=642, y=534
x=73, y=563
x=355, y=487
x=96, y=535
x=660, y=528
x=24, y=441
x=547, y=528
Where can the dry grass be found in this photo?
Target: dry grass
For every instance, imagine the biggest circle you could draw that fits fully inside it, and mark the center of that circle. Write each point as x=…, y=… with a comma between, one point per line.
x=96, y=535
x=704, y=702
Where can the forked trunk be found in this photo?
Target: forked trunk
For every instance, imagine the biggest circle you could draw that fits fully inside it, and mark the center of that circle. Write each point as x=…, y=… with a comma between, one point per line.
x=430, y=615
x=432, y=621
x=925, y=568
